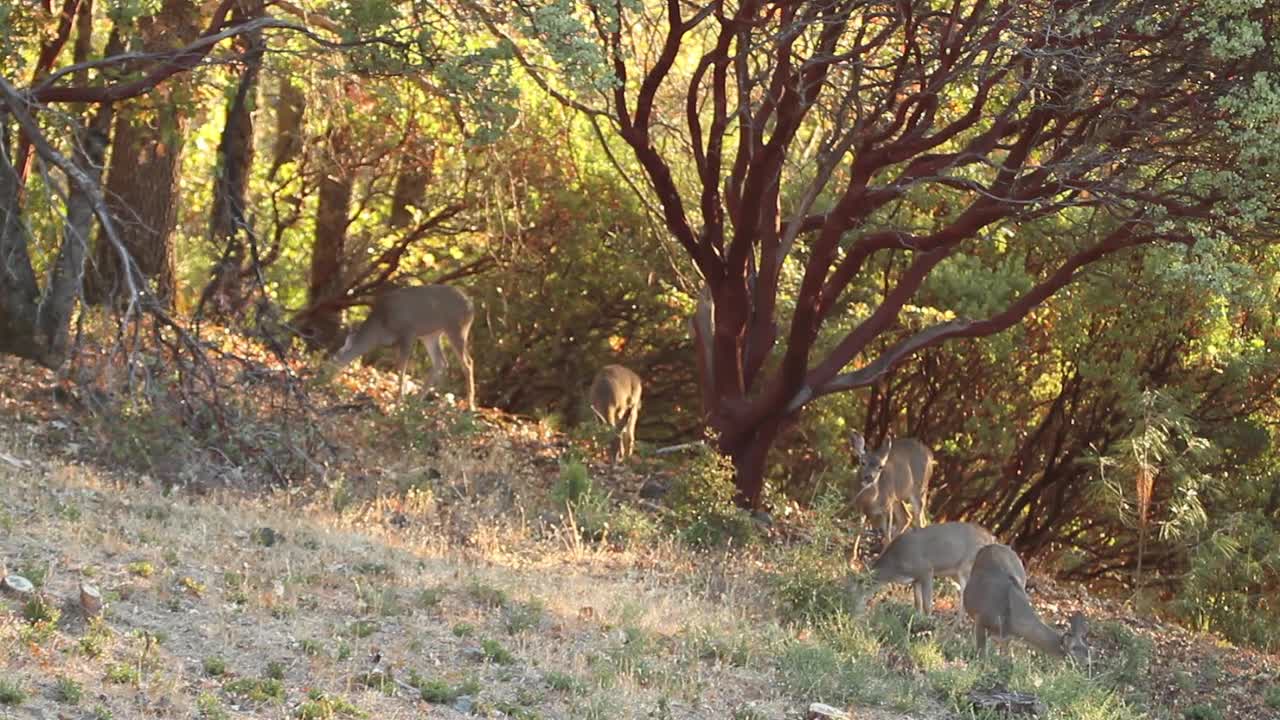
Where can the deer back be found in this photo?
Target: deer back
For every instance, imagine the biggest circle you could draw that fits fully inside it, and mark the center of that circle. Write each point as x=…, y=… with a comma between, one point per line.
x=943, y=549
x=422, y=310
x=907, y=469
x=614, y=388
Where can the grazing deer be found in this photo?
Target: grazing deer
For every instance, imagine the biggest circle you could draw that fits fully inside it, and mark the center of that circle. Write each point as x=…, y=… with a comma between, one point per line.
x=891, y=478
x=996, y=599
x=919, y=555
x=402, y=315
x=615, y=399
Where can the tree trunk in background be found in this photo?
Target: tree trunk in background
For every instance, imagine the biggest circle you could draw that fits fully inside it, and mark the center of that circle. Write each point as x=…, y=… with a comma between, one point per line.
x=224, y=297
x=411, y=186
x=142, y=181
x=322, y=326
x=290, y=107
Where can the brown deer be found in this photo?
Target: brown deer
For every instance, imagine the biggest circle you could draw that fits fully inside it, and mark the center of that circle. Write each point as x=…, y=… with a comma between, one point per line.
x=403, y=315
x=615, y=399
x=996, y=599
x=890, y=479
x=922, y=554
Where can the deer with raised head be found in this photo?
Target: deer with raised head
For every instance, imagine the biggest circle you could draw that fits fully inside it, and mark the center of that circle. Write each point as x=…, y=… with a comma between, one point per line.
x=615, y=399
x=402, y=315
x=996, y=599
x=891, y=479
x=922, y=554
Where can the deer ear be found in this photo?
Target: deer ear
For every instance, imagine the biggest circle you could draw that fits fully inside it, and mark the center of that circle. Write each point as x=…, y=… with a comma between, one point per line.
x=858, y=442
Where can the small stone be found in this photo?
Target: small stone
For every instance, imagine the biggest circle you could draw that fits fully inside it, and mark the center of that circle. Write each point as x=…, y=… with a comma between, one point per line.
x=266, y=537
x=653, y=489
x=464, y=704
x=17, y=585
x=90, y=600
x=820, y=711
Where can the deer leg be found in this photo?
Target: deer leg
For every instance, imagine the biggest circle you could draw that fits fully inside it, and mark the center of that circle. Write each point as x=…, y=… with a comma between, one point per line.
x=404, y=350
x=438, y=360
x=926, y=594
x=632, y=416
x=980, y=638
x=458, y=339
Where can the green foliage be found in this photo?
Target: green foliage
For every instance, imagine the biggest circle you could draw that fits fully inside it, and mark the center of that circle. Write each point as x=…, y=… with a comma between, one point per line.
x=578, y=496
x=703, y=513
x=812, y=583
x=11, y=692
x=67, y=691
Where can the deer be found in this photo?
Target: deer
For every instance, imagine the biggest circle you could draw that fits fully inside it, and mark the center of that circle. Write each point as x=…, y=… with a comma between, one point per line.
x=615, y=399
x=922, y=554
x=891, y=478
x=996, y=599
x=404, y=314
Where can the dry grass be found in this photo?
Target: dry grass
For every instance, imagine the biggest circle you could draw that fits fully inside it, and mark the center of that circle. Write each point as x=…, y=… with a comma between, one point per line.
x=190, y=585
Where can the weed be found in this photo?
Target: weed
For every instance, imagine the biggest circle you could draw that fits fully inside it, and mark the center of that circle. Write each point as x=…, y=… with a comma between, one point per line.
x=487, y=595
x=11, y=693
x=1273, y=697
x=1202, y=711
x=321, y=706
x=344, y=652
x=209, y=708
x=123, y=674
x=311, y=647
x=274, y=671
x=94, y=642
x=67, y=691
x=575, y=493
x=39, y=609
x=256, y=689
x=564, y=682
x=463, y=630
x=101, y=713
x=141, y=568
x=214, y=666
x=362, y=628
x=428, y=598
x=193, y=586
x=523, y=616
x=494, y=652
x=703, y=513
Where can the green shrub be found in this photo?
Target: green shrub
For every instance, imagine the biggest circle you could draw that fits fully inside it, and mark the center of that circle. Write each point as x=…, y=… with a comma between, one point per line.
x=1202, y=711
x=11, y=693
x=68, y=691
x=703, y=513
x=813, y=583
x=576, y=494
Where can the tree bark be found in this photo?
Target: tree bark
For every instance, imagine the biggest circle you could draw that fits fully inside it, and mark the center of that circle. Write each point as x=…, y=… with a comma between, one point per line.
x=322, y=327
x=290, y=107
x=411, y=186
x=142, y=182
x=224, y=297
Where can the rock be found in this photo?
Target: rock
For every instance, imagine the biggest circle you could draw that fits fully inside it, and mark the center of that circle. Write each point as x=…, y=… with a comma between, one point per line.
x=90, y=600
x=464, y=704
x=266, y=537
x=819, y=711
x=653, y=489
x=17, y=585
x=999, y=699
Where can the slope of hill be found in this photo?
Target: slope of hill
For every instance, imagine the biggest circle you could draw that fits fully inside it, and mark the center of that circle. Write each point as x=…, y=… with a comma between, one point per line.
x=440, y=583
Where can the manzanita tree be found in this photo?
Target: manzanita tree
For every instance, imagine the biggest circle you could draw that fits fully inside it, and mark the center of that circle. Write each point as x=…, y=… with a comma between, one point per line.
x=793, y=144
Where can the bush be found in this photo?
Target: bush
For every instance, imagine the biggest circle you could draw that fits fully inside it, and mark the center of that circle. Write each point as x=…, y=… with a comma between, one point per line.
x=576, y=494
x=703, y=513
x=813, y=585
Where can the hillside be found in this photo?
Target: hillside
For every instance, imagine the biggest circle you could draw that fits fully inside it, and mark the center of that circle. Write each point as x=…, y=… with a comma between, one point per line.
x=441, y=584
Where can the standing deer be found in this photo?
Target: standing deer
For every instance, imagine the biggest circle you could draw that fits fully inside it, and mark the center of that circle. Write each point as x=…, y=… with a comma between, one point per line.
x=402, y=315
x=615, y=399
x=996, y=599
x=891, y=478
x=920, y=555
